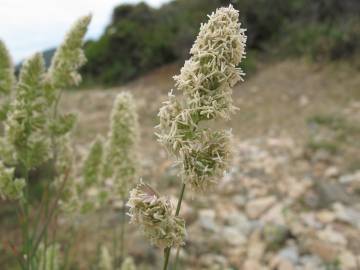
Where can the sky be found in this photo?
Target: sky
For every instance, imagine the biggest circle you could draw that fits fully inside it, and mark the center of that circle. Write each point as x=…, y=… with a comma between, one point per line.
x=29, y=26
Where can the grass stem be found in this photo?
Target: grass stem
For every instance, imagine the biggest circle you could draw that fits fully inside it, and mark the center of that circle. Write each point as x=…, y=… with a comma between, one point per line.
x=168, y=249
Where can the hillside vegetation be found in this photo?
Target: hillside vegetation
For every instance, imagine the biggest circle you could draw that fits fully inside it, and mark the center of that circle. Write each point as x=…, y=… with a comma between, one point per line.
x=140, y=38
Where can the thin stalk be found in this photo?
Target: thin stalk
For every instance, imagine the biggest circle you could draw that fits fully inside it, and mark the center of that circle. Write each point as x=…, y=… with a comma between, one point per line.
x=122, y=232
x=26, y=226
x=177, y=258
x=115, y=245
x=168, y=249
x=46, y=231
x=52, y=211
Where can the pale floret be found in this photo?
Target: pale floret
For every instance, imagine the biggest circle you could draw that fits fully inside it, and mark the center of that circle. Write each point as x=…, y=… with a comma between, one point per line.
x=10, y=188
x=154, y=214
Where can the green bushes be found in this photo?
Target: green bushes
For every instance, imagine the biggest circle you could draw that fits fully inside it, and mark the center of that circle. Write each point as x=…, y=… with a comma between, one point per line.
x=140, y=38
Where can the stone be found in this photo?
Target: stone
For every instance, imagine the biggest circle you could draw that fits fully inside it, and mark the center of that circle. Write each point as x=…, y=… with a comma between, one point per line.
x=332, y=236
x=303, y=101
x=251, y=265
x=210, y=260
x=325, y=216
x=311, y=262
x=324, y=250
x=349, y=178
x=347, y=260
x=232, y=236
x=255, y=208
x=290, y=254
x=207, y=220
x=239, y=200
x=331, y=192
x=347, y=215
x=256, y=247
x=331, y=172
x=274, y=215
x=240, y=222
x=285, y=265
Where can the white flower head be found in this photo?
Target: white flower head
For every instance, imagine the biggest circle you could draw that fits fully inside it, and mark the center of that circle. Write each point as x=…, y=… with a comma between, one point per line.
x=154, y=214
x=206, y=82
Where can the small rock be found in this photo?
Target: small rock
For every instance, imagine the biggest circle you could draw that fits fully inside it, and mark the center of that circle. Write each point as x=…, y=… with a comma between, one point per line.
x=345, y=179
x=211, y=260
x=324, y=250
x=311, y=262
x=240, y=222
x=348, y=215
x=275, y=215
x=325, y=216
x=303, y=101
x=233, y=236
x=285, y=265
x=347, y=260
x=252, y=265
x=239, y=200
x=256, y=247
x=310, y=220
x=332, y=236
x=331, y=172
x=258, y=206
x=207, y=220
x=290, y=254
x=331, y=193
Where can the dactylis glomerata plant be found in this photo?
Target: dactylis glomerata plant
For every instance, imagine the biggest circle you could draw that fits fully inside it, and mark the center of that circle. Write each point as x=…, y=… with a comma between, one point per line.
x=109, y=171
x=203, y=154
x=35, y=133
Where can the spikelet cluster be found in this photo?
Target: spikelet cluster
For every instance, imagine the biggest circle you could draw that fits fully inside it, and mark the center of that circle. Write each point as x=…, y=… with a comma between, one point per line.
x=10, y=188
x=7, y=80
x=69, y=57
x=105, y=262
x=7, y=76
x=26, y=123
x=206, y=82
x=128, y=264
x=91, y=190
x=93, y=163
x=121, y=161
x=154, y=215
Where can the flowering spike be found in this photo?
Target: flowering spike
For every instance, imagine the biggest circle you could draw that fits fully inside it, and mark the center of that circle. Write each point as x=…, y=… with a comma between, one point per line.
x=105, y=262
x=69, y=57
x=155, y=216
x=206, y=82
x=26, y=123
x=93, y=162
x=7, y=77
x=128, y=264
x=121, y=162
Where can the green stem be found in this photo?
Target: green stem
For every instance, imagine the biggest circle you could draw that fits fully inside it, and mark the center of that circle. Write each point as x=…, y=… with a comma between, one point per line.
x=168, y=249
x=122, y=233
x=26, y=232
x=177, y=258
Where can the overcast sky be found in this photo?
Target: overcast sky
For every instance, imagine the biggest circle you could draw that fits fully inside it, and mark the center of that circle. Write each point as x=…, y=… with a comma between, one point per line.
x=28, y=26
